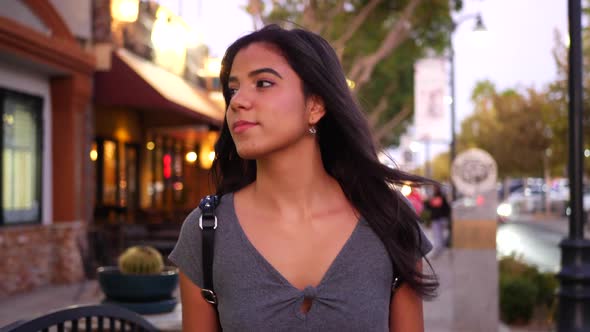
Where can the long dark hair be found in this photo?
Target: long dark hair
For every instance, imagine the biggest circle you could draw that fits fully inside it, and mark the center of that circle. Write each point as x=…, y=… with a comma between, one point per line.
x=348, y=152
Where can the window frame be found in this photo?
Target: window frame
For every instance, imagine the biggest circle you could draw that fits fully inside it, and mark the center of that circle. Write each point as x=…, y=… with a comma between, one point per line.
x=38, y=103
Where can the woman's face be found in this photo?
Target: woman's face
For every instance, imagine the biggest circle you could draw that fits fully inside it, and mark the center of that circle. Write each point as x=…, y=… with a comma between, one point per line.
x=267, y=111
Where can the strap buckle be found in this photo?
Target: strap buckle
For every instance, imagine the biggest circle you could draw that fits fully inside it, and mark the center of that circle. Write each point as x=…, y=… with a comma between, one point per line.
x=208, y=223
x=209, y=295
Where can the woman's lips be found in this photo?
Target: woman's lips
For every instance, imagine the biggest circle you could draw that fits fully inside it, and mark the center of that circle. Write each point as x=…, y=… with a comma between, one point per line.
x=242, y=126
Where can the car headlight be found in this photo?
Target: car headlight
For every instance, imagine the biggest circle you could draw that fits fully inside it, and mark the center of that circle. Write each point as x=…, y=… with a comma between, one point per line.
x=504, y=210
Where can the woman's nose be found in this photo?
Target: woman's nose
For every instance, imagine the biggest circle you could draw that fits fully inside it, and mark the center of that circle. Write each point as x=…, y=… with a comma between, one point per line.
x=240, y=100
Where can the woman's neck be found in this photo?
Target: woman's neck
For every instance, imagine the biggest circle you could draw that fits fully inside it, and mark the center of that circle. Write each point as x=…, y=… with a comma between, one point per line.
x=294, y=180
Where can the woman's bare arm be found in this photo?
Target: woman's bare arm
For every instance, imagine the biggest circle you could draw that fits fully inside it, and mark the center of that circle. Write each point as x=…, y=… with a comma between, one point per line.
x=197, y=314
x=405, y=311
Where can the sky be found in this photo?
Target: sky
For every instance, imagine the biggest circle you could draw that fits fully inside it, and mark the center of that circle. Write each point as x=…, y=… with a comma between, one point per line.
x=518, y=50
x=516, y=53
x=220, y=22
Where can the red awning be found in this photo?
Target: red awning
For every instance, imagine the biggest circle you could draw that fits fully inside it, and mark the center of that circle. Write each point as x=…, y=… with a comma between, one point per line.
x=138, y=83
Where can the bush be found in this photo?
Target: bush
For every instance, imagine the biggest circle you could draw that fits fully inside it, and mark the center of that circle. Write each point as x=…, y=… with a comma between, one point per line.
x=517, y=299
x=523, y=289
x=547, y=284
x=514, y=266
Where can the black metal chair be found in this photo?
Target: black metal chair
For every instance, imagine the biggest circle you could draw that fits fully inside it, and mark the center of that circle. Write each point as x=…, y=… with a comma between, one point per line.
x=102, y=317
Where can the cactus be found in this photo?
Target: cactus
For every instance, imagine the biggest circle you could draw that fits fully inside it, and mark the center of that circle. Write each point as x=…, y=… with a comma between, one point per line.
x=141, y=260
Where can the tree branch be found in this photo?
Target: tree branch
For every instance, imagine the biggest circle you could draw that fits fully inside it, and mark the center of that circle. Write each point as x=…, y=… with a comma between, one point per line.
x=377, y=111
x=254, y=8
x=327, y=23
x=310, y=19
x=386, y=128
x=363, y=68
x=381, y=107
x=356, y=24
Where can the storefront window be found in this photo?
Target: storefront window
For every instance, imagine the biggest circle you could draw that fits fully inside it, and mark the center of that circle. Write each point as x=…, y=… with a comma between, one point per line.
x=130, y=185
x=21, y=157
x=116, y=174
x=177, y=184
x=158, y=184
x=109, y=179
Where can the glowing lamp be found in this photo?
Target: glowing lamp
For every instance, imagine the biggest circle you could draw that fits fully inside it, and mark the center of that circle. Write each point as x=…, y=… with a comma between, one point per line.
x=125, y=10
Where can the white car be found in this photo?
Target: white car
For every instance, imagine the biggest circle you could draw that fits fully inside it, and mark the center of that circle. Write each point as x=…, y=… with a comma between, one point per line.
x=530, y=200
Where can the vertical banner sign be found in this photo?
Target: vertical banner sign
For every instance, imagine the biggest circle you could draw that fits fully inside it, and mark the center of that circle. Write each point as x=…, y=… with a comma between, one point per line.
x=431, y=113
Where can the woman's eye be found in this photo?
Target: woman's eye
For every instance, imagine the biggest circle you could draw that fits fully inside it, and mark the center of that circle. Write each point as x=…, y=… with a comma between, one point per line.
x=264, y=84
x=232, y=91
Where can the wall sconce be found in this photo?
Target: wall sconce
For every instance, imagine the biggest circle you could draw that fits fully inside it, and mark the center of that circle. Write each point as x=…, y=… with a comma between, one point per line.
x=169, y=39
x=207, y=150
x=191, y=157
x=125, y=10
x=93, y=154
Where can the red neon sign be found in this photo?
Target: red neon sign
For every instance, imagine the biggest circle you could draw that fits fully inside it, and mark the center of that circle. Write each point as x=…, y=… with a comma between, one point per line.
x=167, y=160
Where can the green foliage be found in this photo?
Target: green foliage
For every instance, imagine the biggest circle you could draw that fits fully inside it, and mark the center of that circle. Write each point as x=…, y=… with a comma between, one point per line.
x=514, y=266
x=141, y=260
x=558, y=92
x=512, y=126
x=547, y=284
x=517, y=299
x=523, y=289
x=439, y=168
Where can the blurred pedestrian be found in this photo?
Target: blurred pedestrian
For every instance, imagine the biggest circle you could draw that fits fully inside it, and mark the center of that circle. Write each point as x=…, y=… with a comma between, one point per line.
x=440, y=213
x=416, y=199
x=312, y=233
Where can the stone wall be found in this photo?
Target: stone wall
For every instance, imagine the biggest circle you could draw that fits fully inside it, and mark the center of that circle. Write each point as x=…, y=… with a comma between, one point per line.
x=38, y=255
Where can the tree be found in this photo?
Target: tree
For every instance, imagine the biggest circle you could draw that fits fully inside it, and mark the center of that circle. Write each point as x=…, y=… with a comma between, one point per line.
x=513, y=127
x=439, y=168
x=378, y=42
x=558, y=95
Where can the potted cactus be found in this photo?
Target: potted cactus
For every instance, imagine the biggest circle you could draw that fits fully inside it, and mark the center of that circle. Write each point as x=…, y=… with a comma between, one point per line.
x=140, y=282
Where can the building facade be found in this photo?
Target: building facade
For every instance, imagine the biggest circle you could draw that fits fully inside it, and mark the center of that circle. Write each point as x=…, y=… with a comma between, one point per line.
x=155, y=126
x=45, y=102
x=107, y=134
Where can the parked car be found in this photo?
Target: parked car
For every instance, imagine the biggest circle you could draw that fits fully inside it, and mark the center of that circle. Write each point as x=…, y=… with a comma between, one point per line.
x=531, y=199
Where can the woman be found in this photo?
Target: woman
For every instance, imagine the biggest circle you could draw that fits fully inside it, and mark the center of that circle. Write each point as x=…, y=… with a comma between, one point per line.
x=310, y=231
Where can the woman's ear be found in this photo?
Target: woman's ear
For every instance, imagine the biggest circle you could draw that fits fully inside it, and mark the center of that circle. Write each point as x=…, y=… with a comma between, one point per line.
x=316, y=108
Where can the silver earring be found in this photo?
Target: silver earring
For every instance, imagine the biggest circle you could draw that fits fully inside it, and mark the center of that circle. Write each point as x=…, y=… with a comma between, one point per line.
x=312, y=130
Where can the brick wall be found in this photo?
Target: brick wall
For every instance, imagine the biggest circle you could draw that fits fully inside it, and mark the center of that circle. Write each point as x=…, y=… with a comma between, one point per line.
x=37, y=255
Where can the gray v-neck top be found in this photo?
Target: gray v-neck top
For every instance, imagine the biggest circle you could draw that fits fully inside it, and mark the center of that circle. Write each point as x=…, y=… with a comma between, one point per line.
x=353, y=295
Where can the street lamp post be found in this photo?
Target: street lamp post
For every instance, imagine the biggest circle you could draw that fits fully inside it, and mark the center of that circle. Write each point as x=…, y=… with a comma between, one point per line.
x=453, y=148
x=453, y=152
x=574, y=277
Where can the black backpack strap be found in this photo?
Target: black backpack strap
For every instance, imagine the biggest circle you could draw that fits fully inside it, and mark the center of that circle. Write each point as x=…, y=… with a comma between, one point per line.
x=208, y=224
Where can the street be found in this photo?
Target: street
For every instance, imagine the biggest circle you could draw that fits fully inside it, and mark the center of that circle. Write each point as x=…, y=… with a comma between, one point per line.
x=536, y=240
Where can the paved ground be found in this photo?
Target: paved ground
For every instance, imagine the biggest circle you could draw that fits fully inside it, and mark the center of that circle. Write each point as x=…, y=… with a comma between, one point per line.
x=47, y=299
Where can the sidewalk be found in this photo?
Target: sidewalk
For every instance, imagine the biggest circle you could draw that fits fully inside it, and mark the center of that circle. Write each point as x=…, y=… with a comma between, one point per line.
x=438, y=314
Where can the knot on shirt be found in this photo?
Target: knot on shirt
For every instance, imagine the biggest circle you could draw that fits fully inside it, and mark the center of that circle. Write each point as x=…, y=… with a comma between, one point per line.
x=310, y=292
